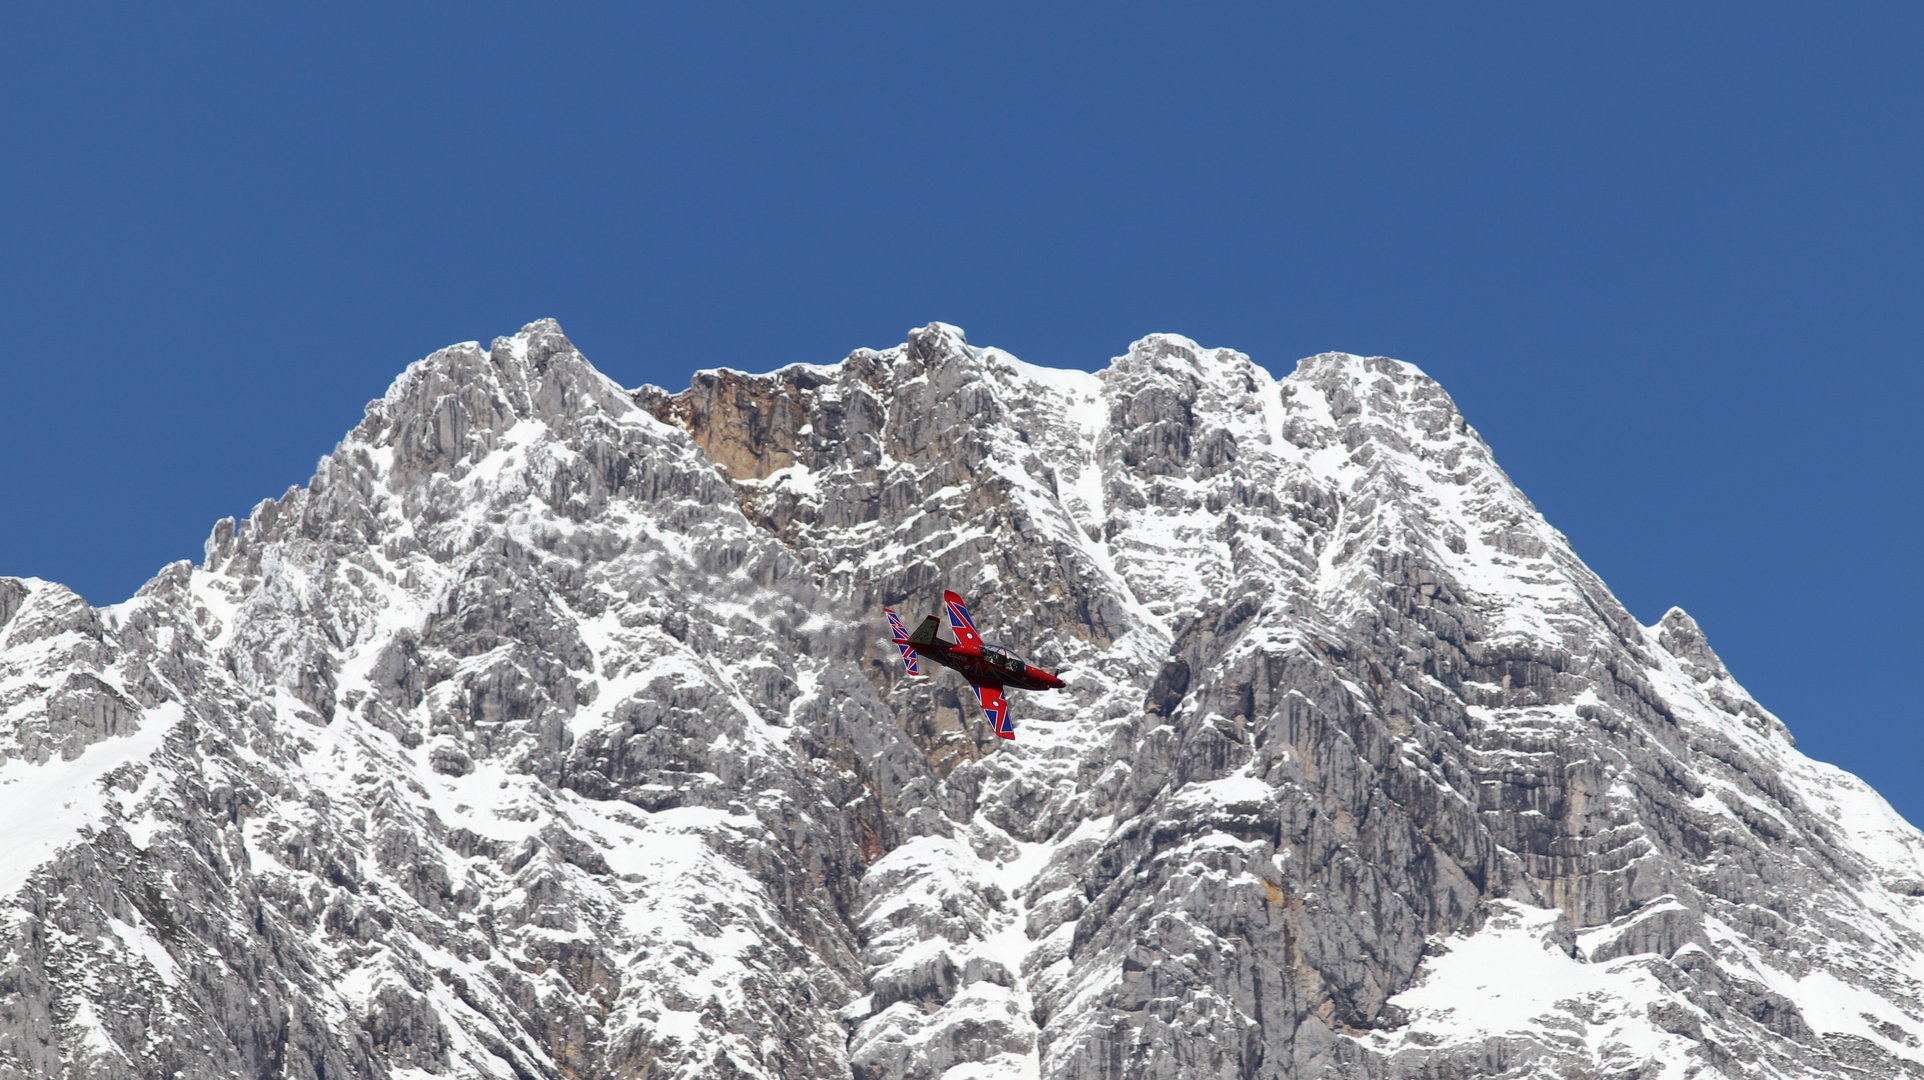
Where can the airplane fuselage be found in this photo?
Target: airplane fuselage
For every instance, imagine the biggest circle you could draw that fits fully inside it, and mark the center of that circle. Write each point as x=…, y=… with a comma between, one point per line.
x=989, y=668
x=987, y=665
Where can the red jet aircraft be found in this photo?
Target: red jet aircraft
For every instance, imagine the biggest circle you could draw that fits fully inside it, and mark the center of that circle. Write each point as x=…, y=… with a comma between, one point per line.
x=989, y=668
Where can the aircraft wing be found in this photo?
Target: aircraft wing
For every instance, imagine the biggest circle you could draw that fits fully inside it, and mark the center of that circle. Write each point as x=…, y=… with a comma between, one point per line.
x=901, y=635
x=990, y=695
x=960, y=622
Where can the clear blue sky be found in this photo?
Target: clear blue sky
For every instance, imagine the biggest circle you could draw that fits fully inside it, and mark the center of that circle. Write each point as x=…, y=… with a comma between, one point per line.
x=1668, y=261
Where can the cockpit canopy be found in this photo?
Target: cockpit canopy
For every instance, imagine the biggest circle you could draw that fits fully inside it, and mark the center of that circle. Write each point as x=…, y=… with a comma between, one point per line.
x=1004, y=658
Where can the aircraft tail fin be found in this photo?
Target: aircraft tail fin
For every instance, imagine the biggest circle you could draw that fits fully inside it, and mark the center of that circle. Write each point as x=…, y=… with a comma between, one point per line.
x=925, y=633
x=901, y=635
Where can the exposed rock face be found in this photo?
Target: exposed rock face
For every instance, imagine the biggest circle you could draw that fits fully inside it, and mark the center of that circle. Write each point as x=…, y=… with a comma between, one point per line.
x=550, y=731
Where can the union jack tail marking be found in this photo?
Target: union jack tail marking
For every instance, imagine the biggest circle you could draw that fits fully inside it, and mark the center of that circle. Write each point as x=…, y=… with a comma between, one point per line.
x=901, y=635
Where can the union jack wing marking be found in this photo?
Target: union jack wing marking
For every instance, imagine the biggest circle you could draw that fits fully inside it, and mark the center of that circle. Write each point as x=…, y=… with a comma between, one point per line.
x=901, y=635
x=997, y=708
x=959, y=620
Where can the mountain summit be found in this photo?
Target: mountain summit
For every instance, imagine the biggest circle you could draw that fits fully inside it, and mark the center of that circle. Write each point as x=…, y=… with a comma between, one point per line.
x=552, y=730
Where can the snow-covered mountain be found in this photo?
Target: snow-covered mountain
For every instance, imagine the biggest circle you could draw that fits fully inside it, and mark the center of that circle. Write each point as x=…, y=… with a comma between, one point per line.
x=551, y=731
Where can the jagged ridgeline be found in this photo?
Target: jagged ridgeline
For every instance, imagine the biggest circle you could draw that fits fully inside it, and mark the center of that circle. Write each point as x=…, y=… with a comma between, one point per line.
x=552, y=730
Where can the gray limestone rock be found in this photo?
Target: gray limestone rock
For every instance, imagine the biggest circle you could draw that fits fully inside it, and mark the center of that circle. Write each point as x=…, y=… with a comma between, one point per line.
x=551, y=730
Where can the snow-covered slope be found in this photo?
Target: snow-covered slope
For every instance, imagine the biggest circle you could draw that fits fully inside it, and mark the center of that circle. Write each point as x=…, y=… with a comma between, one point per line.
x=550, y=731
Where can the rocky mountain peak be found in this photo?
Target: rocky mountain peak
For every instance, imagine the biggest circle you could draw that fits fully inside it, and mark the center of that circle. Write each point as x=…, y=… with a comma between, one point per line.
x=1678, y=633
x=550, y=730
